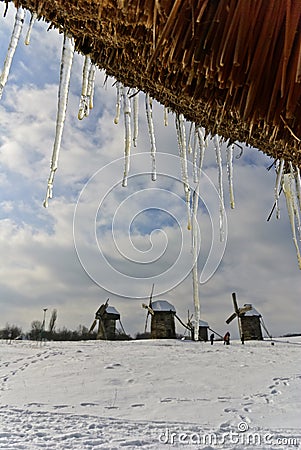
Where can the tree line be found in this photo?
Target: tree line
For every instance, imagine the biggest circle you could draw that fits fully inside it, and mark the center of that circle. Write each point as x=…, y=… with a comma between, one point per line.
x=39, y=331
x=12, y=332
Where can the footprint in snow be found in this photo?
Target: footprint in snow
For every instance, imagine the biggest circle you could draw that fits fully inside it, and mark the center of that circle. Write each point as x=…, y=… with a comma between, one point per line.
x=112, y=366
x=167, y=400
x=137, y=405
x=35, y=404
x=275, y=392
x=246, y=409
x=245, y=418
x=229, y=410
x=89, y=404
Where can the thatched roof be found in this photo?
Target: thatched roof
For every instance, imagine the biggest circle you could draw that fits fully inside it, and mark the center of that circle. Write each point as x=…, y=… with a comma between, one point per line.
x=232, y=66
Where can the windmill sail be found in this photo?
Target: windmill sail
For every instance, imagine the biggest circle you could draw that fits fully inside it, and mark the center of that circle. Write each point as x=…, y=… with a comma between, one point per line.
x=232, y=317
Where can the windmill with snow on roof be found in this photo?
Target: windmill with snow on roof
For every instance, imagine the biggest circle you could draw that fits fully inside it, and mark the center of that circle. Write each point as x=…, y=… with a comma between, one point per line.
x=249, y=320
x=107, y=317
x=162, y=318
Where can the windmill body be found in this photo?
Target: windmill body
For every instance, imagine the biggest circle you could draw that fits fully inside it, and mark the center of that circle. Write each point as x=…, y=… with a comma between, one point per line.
x=250, y=324
x=163, y=320
x=249, y=321
x=203, y=331
x=106, y=316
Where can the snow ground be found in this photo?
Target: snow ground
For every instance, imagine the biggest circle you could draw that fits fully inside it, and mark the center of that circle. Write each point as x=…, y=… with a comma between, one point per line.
x=155, y=394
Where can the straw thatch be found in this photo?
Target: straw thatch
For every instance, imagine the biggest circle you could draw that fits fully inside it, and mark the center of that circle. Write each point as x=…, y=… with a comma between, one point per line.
x=233, y=66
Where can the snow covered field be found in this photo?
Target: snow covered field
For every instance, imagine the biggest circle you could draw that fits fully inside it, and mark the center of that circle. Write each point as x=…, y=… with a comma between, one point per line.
x=160, y=394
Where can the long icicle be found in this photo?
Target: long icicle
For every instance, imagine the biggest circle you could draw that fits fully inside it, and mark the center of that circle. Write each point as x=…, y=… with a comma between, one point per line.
x=200, y=136
x=118, y=102
x=195, y=150
x=195, y=246
x=19, y=20
x=295, y=199
x=298, y=186
x=127, y=138
x=151, y=132
x=91, y=83
x=83, y=110
x=136, y=117
x=287, y=189
x=31, y=24
x=220, y=186
x=202, y=145
x=190, y=134
x=279, y=171
x=65, y=73
x=183, y=156
x=230, y=174
x=199, y=133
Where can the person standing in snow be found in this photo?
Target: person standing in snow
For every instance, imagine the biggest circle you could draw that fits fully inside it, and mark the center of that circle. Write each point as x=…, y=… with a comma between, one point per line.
x=227, y=338
x=211, y=338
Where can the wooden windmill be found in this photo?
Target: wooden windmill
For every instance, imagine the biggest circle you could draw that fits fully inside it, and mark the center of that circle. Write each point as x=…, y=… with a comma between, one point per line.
x=162, y=318
x=106, y=316
x=248, y=321
x=203, y=328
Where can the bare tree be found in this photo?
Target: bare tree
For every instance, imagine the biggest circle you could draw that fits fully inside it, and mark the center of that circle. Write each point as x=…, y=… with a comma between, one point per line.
x=10, y=332
x=36, y=330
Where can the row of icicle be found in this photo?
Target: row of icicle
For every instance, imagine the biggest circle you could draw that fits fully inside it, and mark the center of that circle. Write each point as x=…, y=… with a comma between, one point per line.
x=127, y=100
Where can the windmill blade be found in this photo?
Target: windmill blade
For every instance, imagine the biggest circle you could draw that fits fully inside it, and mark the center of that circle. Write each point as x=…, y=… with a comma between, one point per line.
x=245, y=309
x=232, y=317
x=236, y=309
x=93, y=326
x=151, y=296
x=149, y=309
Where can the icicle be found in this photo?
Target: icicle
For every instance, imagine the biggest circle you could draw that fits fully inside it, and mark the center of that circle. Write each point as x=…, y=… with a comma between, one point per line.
x=136, y=116
x=190, y=137
x=195, y=246
x=230, y=174
x=19, y=19
x=31, y=24
x=183, y=135
x=91, y=80
x=220, y=186
x=83, y=110
x=287, y=189
x=200, y=136
x=195, y=157
x=183, y=156
x=150, y=123
x=279, y=172
x=165, y=116
x=202, y=144
x=127, y=139
x=294, y=194
x=298, y=186
x=118, y=101
x=65, y=73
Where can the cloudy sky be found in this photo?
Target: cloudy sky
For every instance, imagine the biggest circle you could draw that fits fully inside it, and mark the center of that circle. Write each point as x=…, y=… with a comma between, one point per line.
x=99, y=240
